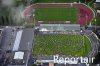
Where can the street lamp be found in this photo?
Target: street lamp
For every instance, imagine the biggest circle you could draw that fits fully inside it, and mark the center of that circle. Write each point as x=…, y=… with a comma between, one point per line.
x=34, y=19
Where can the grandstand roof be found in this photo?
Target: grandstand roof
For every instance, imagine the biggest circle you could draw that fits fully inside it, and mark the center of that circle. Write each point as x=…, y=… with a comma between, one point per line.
x=60, y=27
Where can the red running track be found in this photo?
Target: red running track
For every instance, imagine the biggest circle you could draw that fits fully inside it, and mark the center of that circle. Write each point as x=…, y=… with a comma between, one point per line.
x=85, y=13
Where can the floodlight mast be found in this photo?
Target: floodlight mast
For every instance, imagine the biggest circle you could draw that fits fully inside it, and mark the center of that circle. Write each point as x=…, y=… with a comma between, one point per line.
x=95, y=23
x=95, y=20
x=34, y=19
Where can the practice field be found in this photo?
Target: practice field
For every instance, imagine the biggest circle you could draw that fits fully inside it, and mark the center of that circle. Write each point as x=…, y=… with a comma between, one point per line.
x=56, y=14
x=74, y=45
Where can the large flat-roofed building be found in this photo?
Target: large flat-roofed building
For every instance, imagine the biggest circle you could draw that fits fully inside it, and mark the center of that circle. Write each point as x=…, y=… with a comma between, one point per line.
x=22, y=48
x=23, y=40
x=17, y=44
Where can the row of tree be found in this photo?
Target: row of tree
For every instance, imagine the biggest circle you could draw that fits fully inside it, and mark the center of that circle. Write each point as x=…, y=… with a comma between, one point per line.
x=6, y=17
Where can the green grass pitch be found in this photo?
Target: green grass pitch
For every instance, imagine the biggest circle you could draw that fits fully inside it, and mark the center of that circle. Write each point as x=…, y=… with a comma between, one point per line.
x=56, y=14
x=74, y=45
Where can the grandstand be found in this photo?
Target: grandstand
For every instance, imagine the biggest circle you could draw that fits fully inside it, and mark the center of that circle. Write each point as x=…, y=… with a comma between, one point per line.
x=60, y=27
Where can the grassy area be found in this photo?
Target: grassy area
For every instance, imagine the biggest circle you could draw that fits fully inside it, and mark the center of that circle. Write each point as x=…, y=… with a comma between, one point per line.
x=87, y=45
x=34, y=65
x=56, y=14
x=55, y=1
x=61, y=44
x=97, y=23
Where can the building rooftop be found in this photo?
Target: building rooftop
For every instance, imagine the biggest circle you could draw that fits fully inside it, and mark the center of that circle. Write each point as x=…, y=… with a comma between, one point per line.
x=97, y=0
x=26, y=40
x=22, y=47
x=23, y=43
x=19, y=55
x=97, y=5
x=19, y=58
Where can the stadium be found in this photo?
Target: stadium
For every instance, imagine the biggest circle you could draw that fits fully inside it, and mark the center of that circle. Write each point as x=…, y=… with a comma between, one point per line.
x=65, y=40
x=58, y=31
x=61, y=44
